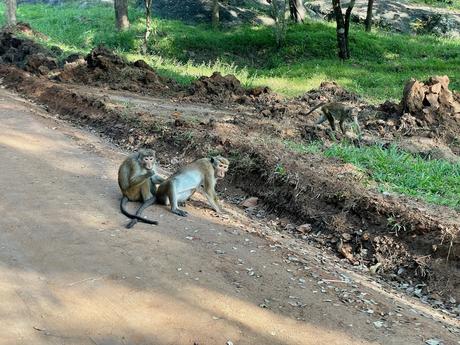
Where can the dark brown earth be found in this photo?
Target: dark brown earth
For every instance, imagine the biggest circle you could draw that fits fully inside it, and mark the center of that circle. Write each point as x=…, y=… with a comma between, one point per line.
x=408, y=239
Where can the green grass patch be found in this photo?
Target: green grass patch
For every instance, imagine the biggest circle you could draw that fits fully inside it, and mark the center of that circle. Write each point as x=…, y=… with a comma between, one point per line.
x=380, y=65
x=434, y=181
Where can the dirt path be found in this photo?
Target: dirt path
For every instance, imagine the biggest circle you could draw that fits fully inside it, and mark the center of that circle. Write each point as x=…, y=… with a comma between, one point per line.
x=72, y=274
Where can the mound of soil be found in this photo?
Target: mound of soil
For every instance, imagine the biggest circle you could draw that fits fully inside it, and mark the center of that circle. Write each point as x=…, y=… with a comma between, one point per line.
x=24, y=53
x=430, y=101
x=101, y=67
x=219, y=89
x=217, y=86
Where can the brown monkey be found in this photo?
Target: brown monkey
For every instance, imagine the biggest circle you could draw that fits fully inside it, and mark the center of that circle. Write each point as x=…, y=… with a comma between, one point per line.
x=202, y=173
x=337, y=111
x=137, y=179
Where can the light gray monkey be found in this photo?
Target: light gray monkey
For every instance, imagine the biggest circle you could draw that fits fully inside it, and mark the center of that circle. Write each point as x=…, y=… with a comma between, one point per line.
x=202, y=173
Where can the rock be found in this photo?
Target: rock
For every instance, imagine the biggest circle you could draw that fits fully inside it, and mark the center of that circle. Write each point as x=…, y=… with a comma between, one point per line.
x=304, y=228
x=434, y=342
x=345, y=250
x=250, y=202
x=373, y=269
x=346, y=236
x=378, y=324
x=428, y=101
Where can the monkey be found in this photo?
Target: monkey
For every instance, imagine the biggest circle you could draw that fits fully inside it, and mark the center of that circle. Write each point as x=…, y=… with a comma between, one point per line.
x=339, y=111
x=137, y=180
x=200, y=174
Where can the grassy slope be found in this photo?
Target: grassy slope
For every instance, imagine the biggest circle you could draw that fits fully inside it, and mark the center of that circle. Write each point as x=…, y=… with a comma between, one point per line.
x=435, y=181
x=381, y=61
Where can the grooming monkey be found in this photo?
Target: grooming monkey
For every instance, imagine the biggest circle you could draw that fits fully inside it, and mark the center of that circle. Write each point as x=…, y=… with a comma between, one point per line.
x=337, y=111
x=137, y=180
x=202, y=173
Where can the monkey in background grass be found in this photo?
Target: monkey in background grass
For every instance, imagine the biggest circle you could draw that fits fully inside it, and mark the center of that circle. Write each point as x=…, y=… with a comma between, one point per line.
x=337, y=111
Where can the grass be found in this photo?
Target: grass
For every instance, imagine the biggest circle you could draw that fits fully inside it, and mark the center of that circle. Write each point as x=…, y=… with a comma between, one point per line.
x=434, y=181
x=381, y=62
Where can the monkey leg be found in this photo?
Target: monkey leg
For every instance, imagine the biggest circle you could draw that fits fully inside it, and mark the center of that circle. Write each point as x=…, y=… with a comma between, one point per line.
x=342, y=128
x=321, y=120
x=174, y=198
x=331, y=120
x=356, y=123
x=210, y=194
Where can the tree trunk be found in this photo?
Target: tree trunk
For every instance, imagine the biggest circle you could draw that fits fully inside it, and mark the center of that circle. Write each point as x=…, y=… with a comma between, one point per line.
x=297, y=10
x=148, y=23
x=215, y=14
x=121, y=14
x=10, y=12
x=343, y=26
x=368, y=20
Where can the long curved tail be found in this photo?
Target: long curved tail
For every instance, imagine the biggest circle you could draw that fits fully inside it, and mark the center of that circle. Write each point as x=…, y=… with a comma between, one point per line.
x=315, y=107
x=136, y=217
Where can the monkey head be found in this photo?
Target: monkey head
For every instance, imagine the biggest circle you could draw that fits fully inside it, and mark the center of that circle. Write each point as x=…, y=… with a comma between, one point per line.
x=220, y=165
x=147, y=158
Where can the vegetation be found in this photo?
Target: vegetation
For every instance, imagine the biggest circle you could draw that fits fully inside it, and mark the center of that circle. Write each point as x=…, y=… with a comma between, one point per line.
x=451, y=4
x=434, y=181
x=381, y=62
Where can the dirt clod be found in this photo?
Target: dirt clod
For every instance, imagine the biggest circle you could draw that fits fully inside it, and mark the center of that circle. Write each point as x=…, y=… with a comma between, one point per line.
x=250, y=202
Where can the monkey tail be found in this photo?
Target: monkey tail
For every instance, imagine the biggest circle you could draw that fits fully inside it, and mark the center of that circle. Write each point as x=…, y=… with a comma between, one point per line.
x=316, y=107
x=123, y=203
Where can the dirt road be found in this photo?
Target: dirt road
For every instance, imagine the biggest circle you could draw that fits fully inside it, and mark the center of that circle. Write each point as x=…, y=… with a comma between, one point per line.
x=72, y=274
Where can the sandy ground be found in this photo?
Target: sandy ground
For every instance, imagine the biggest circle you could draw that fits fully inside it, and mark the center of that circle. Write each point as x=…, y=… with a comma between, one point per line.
x=72, y=274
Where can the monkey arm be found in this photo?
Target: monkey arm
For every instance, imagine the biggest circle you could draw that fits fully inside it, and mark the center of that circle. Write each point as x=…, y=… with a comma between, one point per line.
x=137, y=180
x=157, y=179
x=210, y=193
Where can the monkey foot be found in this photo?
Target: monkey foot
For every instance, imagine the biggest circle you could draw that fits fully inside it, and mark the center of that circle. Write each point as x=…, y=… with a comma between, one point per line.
x=181, y=213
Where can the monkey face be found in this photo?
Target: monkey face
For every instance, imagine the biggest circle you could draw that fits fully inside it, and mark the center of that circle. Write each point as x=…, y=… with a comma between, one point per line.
x=148, y=162
x=220, y=167
x=147, y=159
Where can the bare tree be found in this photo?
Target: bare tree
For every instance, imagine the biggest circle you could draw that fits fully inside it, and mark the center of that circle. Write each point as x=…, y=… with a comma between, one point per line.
x=215, y=14
x=368, y=20
x=10, y=12
x=121, y=14
x=297, y=10
x=343, y=26
x=148, y=23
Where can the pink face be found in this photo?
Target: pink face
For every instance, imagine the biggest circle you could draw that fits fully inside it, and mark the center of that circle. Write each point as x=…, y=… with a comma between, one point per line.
x=149, y=162
x=220, y=169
